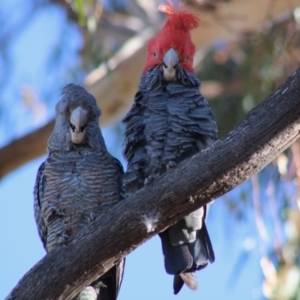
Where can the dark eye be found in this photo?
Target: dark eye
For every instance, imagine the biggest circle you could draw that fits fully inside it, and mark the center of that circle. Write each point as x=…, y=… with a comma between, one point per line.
x=155, y=54
x=72, y=127
x=187, y=57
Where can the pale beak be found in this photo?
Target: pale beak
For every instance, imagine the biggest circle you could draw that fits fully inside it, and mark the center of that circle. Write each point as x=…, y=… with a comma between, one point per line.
x=170, y=60
x=78, y=120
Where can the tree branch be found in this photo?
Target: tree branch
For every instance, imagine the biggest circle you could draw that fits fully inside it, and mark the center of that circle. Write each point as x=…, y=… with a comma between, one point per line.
x=12, y=156
x=114, y=87
x=262, y=135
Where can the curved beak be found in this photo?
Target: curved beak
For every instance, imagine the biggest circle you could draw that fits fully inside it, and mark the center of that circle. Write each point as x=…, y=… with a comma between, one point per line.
x=170, y=60
x=78, y=120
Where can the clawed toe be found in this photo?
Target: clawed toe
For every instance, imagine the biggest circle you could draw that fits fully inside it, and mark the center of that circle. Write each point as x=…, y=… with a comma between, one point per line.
x=148, y=180
x=171, y=165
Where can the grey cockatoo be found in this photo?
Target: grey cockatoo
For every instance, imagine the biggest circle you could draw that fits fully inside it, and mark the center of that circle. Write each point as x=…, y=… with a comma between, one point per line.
x=168, y=122
x=78, y=182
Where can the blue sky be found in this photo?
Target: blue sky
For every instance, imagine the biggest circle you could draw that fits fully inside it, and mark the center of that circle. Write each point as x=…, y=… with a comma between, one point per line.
x=236, y=273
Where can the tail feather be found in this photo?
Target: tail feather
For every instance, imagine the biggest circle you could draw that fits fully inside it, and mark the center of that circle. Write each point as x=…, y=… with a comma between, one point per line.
x=89, y=293
x=201, y=250
x=189, y=278
x=176, y=258
x=177, y=284
x=183, y=259
x=106, y=287
x=207, y=243
x=111, y=282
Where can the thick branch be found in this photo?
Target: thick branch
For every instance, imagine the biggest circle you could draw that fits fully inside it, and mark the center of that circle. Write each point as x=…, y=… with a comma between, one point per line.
x=114, y=88
x=21, y=150
x=263, y=134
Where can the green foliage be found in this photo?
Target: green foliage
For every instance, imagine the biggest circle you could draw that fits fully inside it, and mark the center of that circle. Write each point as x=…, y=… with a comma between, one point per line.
x=248, y=71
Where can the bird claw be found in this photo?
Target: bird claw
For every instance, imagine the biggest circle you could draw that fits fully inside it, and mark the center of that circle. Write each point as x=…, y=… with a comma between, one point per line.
x=91, y=217
x=63, y=238
x=171, y=164
x=148, y=180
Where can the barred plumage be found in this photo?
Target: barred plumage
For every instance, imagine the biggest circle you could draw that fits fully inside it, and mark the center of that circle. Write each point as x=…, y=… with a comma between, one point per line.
x=78, y=182
x=168, y=122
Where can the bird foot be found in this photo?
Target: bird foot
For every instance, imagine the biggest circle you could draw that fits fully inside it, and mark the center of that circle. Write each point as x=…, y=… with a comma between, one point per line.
x=148, y=180
x=171, y=164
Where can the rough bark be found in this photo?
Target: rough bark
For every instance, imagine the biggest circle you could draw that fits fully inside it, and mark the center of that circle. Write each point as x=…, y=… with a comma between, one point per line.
x=114, y=88
x=262, y=135
x=21, y=150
